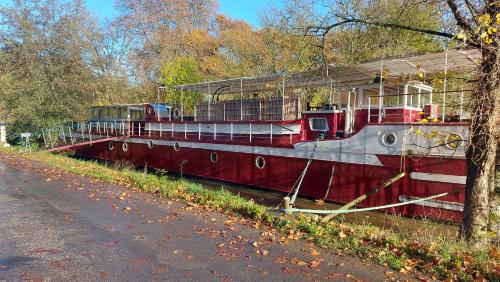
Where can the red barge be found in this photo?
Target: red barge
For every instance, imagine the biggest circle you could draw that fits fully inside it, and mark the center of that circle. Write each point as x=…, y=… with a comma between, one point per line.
x=377, y=124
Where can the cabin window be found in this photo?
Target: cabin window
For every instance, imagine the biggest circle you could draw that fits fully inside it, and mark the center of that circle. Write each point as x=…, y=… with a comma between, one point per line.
x=260, y=163
x=214, y=157
x=125, y=147
x=454, y=140
x=318, y=124
x=150, y=144
x=389, y=138
x=176, y=146
x=136, y=114
x=110, y=146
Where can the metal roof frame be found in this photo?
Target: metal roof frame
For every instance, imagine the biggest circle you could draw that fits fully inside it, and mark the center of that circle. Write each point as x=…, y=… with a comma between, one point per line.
x=344, y=76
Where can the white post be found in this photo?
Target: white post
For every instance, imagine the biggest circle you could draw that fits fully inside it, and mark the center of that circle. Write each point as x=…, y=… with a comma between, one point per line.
x=331, y=93
x=199, y=131
x=70, y=136
x=369, y=108
x=63, y=135
x=461, y=105
x=90, y=131
x=231, y=132
x=215, y=131
x=381, y=91
x=160, y=129
x=418, y=100
x=149, y=129
x=172, y=130
x=209, y=100
x=224, y=110
x=185, y=131
x=241, y=98
x=250, y=132
x=139, y=128
x=445, y=84
x=348, y=114
x=283, y=101
x=182, y=104
x=271, y=137
x=354, y=107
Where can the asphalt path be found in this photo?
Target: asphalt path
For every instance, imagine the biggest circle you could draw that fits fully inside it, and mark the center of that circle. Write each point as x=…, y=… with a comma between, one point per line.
x=56, y=226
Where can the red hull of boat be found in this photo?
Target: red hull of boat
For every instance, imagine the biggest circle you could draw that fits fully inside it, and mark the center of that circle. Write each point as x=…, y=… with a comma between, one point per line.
x=280, y=173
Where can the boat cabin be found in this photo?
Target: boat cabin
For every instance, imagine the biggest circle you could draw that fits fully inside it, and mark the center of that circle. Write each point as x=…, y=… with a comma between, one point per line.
x=134, y=112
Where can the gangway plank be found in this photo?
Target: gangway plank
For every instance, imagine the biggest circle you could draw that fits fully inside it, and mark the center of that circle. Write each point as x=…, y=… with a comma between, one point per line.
x=76, y=145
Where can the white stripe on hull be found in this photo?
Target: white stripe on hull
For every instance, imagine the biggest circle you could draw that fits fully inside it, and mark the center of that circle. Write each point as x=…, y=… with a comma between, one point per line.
x=333, y=155
x=434, y=203
x=443, y=178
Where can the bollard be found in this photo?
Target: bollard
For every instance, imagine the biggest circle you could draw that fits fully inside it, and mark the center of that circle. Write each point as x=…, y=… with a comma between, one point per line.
x=286, y=204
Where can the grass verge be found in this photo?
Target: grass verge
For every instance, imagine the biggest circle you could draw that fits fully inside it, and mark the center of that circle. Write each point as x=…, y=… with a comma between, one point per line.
x=437, y=257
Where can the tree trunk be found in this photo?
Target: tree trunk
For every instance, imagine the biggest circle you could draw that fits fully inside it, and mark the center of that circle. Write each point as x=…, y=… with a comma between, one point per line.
x=481, y=211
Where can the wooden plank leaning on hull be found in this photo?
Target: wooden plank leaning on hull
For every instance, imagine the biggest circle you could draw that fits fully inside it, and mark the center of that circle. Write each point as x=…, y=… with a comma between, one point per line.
x=364, y=196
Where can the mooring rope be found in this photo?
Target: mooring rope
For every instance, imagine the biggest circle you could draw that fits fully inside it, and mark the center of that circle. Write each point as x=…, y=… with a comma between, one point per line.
x=373, y=208
x=298, y=183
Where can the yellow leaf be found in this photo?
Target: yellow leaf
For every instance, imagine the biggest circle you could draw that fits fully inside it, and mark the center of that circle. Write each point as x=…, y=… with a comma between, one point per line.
x=342, y=234
x=314, y=263
x=418, y=131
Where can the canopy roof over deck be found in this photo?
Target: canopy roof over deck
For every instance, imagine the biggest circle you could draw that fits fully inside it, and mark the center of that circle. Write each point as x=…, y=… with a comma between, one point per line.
x=458, y=60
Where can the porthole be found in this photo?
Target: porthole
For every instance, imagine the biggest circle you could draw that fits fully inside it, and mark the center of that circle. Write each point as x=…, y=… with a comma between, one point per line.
x=150, y=144
x=176, y=146
x=110, y=146
x=454, y=140
x=125, y=147
x=260, y=162
x=389, y=138
x=214, y=157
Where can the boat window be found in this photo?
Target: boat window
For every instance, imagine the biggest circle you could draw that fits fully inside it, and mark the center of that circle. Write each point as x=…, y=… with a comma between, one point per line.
x=318, y=124
x=150, y=144
x=426, y=98
x=137, y=114
x=214, y=157
x=389, y=138
x=453, y=141
x=176, y=146
x=124, y=147
x=162, y=111
x=260, y=162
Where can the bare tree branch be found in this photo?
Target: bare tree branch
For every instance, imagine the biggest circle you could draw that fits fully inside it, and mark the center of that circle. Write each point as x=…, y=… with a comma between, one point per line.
x=324, y=30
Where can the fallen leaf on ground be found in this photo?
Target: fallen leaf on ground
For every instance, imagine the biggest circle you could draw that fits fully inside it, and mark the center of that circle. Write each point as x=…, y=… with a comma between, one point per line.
x=314, y=253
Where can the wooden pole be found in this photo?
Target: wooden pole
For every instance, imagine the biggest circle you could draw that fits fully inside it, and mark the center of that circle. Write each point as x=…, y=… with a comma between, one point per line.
x=364, y=196
x=329, y=182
